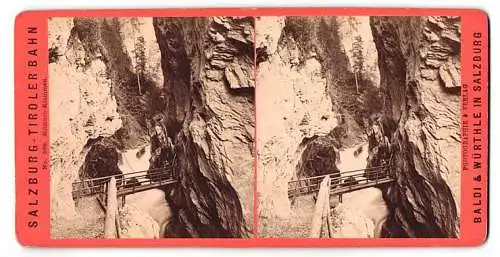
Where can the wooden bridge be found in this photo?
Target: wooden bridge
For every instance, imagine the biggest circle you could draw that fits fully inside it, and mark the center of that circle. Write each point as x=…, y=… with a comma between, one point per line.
x=111, y=188
x=336, y=184
x=342, y=182
x=126, y=184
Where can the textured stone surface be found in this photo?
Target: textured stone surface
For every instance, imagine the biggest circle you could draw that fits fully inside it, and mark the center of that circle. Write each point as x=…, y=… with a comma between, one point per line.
x=94, y=93
x=450, y=75
x=420, y=125
x=237, y=78
x=81, y=107
x=293, y=107
x=268, y=34
x=211, y=123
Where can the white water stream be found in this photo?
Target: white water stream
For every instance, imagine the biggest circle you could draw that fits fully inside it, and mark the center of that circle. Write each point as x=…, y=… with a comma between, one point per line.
x=151, y=201
x=363, y=211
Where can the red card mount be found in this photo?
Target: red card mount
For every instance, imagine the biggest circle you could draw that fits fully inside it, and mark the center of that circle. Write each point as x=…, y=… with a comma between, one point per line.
x=252, y=127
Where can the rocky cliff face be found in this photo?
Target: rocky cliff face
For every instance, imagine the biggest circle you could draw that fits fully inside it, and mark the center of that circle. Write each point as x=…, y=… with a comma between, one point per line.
x=419, y=61
x=90, y=111
x=294, y=106
x=208, y=115
x=94, y=98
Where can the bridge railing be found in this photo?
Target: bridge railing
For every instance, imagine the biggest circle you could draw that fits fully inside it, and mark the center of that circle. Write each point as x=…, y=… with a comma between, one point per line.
x=317, y=179
x=346, y=179
x=140, y=181
x=133, y=180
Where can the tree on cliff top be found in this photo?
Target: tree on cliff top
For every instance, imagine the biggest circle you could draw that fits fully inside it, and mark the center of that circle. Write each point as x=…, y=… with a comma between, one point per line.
x=357, y=60
x=140, y=60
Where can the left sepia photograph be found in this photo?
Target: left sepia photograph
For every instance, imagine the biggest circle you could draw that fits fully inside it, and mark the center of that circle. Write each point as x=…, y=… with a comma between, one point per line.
x=152, y=126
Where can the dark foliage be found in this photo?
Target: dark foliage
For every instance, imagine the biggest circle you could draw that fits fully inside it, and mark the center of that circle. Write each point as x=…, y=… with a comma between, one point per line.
x=54, y=54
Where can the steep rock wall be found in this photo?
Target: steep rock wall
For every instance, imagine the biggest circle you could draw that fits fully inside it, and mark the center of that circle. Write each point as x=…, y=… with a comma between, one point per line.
x=207, y=65
x=419, y=61
x=90, y=111
x=293, y=103
x=93, y=95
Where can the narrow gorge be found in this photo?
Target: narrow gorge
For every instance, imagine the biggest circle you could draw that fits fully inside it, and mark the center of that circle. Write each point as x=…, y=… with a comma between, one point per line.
x=145, y=94
x=360, y=100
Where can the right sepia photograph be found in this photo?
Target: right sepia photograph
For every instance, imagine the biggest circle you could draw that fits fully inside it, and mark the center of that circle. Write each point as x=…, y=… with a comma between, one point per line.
x=358, y=126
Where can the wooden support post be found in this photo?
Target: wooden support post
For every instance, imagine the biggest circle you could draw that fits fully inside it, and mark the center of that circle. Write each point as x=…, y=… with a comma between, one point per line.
x=329, y=225
x=123, y=200
x=111, y=210
x=321, y=202
x=105, y=192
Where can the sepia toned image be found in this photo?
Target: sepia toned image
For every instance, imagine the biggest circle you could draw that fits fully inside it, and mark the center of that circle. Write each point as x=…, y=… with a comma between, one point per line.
x=358, y=126
x=151, y=127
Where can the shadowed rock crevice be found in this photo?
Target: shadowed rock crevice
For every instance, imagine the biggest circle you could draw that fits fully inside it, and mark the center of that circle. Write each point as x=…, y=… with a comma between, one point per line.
x=419, y=129
x=318, y=158
x=207, y=64
x=101, y=160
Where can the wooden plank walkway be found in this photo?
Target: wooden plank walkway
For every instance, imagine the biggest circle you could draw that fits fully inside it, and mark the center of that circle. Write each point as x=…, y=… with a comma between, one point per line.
x=343, y=182
x=128, y=183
